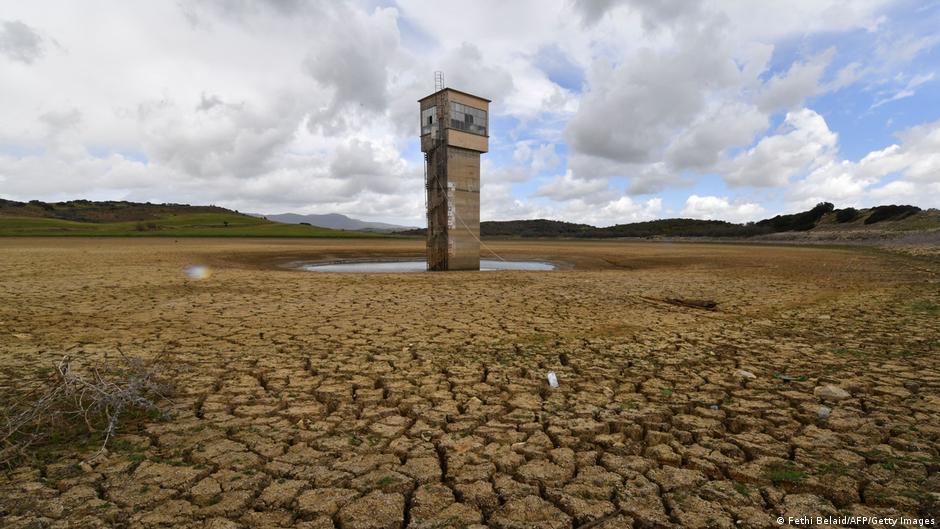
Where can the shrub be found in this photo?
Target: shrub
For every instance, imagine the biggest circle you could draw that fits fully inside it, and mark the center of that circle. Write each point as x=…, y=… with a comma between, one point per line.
x=846, y=215
x=798, y=221
x=892, y=212
x=84, y=401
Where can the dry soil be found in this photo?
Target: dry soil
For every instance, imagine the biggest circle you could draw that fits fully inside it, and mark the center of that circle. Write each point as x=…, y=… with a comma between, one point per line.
x=420, y=400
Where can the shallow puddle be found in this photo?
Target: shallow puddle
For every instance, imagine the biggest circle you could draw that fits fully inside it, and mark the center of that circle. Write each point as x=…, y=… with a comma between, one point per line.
x=418, y=266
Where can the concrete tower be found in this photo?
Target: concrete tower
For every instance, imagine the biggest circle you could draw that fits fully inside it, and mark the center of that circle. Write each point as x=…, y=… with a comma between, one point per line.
x=454, y=132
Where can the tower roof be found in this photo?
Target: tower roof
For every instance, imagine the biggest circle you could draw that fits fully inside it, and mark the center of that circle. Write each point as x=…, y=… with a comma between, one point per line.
x=457, y=91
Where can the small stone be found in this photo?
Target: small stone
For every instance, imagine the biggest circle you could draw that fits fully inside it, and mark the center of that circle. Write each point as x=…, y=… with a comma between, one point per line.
x=831, y=392
x=745, y=374
x=824, y=412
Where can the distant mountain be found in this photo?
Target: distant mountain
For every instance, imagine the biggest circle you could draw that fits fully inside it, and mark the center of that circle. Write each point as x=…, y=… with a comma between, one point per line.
x=336, y=222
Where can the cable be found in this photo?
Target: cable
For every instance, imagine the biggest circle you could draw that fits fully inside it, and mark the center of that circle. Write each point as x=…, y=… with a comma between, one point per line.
x=477, y=238
x=470, y=231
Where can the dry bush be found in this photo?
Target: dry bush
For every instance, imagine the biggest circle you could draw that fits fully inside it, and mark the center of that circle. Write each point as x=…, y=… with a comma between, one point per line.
x=83, y=400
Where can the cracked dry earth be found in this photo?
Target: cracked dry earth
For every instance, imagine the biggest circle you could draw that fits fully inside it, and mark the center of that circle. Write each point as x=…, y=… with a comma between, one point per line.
x=383, y=401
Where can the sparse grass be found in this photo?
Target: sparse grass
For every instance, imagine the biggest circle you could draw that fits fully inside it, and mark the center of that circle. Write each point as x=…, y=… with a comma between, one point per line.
x=834, y=468
x=122, y=445
x=169, y=462
x=784, y=473
x=666, y=392
x=926, y=501
x=926, y=307
x=889, y=463
x=184, y=225
x=858, y=353
x=790, y=378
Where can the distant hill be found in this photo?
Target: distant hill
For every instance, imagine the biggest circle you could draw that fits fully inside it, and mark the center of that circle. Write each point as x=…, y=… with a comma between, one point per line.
x=335, y=221
x=133, y=219
x=821, y=221
x=105, y=211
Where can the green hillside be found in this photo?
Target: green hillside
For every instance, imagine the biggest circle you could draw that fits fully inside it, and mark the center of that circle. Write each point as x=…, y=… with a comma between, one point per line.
x=128, y=219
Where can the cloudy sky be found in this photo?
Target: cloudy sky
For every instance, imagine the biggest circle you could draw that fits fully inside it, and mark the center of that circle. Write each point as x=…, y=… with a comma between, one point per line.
x=605, y=111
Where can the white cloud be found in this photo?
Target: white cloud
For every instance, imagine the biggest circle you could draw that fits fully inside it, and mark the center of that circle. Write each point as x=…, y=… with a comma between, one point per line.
x=545, y=158
x=19, y=42
x=695, y=86
x=540, y=157
x=908, y=90
x=492, y=173
x=721, y=208
x=311, y=105
x=804, y=140
x=700, y=145
x=653, y=178
x=892, y=190
x=623, y=210
x=498, y=203
x=567, y=187
x=906, y=47
x=903, y=192
x=914, y=162
x=634, y=108
x=802, y=80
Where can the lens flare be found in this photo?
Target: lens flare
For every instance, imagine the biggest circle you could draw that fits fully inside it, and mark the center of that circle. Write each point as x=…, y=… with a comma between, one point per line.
x=197, y=272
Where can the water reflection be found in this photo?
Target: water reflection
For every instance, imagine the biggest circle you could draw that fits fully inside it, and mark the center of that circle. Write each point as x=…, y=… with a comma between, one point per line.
x=419, y=266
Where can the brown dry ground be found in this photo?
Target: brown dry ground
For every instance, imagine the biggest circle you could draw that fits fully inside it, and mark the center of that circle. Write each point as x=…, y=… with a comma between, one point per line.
x=419, y=400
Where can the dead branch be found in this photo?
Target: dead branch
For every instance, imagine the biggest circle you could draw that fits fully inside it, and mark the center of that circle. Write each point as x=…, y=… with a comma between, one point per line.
x=96, y=395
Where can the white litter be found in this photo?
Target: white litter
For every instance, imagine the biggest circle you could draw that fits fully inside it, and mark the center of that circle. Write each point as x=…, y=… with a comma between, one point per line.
x=552, y=379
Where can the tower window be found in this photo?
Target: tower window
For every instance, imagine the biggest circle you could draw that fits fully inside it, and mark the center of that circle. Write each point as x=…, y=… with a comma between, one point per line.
x=428, y=123
x=468, y=119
